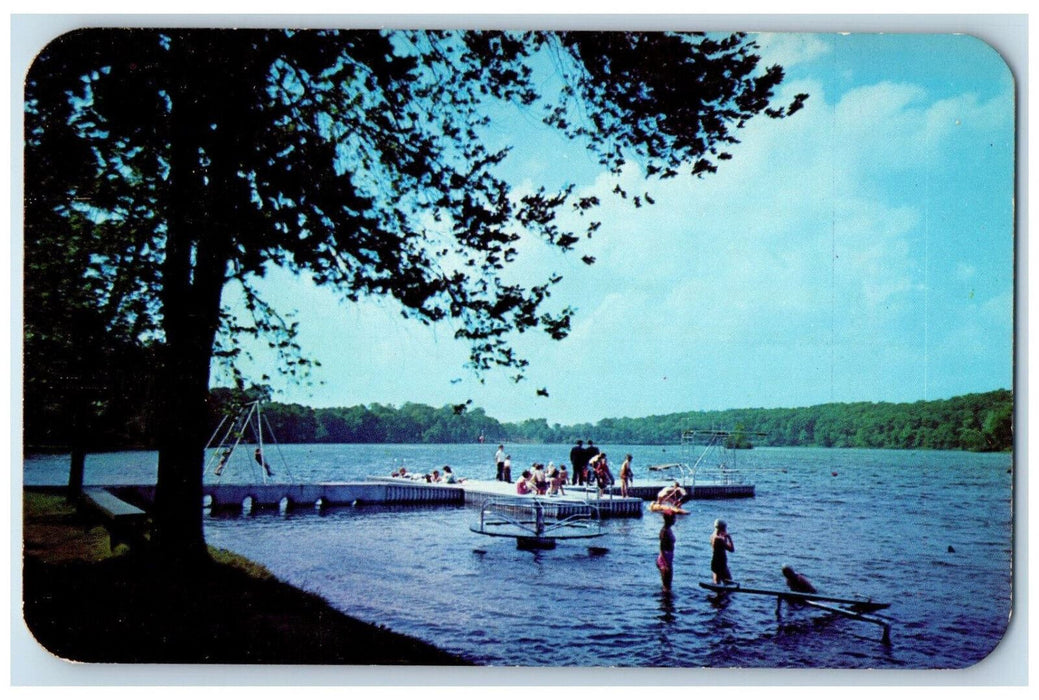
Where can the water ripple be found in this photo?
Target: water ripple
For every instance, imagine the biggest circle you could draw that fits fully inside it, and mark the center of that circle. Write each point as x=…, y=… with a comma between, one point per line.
x=881, y=528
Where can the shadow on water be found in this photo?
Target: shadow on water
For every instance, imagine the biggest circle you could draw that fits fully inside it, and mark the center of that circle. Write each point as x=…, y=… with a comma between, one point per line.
x=719, y=601
x=663, y=653
x=667, y=606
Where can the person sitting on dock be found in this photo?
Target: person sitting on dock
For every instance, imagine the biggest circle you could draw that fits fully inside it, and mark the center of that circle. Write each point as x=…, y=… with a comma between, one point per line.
x=449, y=476
x=797, y=582
x=673, y=495
x=539, y=479
x=436, y=476
x=556, y=481
x=525, y=484
x=721, y=543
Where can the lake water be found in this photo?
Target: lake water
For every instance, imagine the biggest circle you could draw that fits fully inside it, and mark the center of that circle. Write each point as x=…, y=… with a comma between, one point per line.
x=930, y=532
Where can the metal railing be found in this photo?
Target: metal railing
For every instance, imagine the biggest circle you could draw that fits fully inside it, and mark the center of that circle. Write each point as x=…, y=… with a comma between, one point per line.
x=539, y=518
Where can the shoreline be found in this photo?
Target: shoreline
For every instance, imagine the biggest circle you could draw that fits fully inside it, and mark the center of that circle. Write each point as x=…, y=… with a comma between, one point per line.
x=82, y=603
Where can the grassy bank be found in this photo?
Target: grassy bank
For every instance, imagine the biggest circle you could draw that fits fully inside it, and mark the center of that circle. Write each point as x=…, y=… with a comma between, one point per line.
x=83, y=603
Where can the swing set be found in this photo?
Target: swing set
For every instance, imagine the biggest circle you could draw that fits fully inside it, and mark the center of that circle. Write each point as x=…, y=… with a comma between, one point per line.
x=246, y=425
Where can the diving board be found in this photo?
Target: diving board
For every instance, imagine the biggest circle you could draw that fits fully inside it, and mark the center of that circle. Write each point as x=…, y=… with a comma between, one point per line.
x=852, y=608
x=865, y=604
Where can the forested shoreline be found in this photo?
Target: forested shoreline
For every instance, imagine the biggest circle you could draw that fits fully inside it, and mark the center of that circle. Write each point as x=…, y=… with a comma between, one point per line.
x=976, y=422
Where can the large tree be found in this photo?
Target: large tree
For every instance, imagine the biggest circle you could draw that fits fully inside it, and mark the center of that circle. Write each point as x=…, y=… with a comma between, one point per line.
x=86, y=335
x=357, y=158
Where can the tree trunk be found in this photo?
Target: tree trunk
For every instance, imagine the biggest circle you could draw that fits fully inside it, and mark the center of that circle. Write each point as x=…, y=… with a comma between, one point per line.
x=79, y=421
x=77, y=462
x=177, y=536
x=201, y=221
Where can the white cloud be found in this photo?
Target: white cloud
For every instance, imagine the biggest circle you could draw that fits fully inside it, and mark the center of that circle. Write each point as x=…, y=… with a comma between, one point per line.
x=806, y=257
x=805, y=234
x=791, y=49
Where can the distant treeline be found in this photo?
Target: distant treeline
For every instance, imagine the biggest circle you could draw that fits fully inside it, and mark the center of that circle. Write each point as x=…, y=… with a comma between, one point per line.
x=976, y=422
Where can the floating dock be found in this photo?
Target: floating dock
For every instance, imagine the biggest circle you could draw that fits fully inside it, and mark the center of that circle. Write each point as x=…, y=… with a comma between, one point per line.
x=222, y=498
x=705, y=491
x=397, y=491
x=476, y=492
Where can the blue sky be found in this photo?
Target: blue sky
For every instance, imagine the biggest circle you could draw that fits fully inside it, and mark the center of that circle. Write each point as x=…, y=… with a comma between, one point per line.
x=861, y=250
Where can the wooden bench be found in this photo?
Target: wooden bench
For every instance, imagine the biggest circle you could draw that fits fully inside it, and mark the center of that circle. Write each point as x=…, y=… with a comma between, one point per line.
x=125, y=522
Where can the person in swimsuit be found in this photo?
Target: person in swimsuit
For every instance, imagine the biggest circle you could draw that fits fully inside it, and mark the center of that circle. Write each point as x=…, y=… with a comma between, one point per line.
x=672, y=495
x=540, y=479
x=666, y=558
x=603, y=477
x=525, y=484
x=556, y=482
x=721, y=543
x=797, y=582
x=564, y=478
x=626, y=475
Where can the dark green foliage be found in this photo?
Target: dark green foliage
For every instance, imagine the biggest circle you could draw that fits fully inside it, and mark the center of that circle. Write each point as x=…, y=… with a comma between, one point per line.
x=979, y=422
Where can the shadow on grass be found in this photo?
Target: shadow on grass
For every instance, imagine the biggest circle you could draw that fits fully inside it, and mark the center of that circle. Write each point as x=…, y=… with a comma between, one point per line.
x=84, y=604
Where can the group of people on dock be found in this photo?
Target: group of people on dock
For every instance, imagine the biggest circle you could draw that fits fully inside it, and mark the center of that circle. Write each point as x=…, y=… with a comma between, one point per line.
x=590, y=466
x=540, y=480
x=435, y=477
x=590, y=463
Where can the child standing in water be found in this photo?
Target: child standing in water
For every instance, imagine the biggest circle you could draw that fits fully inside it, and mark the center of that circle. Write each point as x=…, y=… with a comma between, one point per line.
x=721, y=543
x=666, y=558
